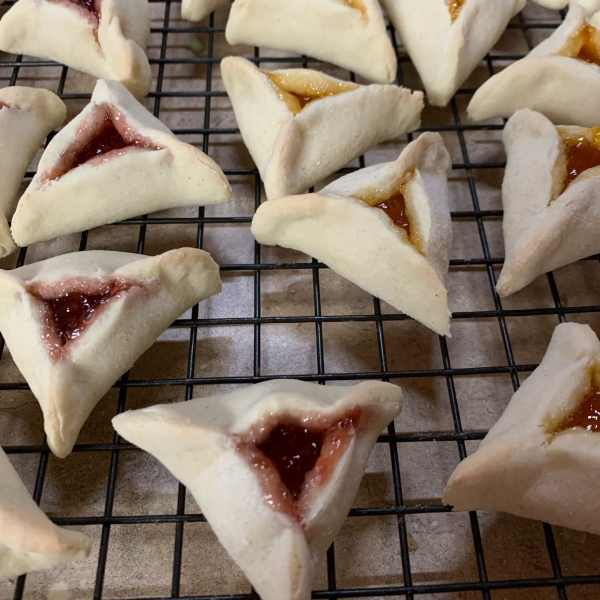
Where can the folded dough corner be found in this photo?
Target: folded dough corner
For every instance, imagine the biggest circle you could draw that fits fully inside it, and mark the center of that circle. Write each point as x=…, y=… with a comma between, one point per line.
x=197, y=10
x=113, y=161
x=75, y=323
x=386, y=228
x=541, y=460
x=274, y=467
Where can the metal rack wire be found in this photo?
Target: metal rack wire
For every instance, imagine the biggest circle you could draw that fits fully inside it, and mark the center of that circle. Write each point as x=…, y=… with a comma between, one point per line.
x=482, y=587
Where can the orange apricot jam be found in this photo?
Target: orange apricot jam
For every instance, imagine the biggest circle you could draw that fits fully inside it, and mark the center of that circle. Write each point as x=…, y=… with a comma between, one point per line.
x=584, y=45
x=393, y=204
x=395, y=208
x=582, y=150
x=298, y=87
x=454, y=7
x=586, y=415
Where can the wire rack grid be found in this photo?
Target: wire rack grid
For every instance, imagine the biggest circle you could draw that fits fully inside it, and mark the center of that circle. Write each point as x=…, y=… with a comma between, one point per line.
x=556, y=584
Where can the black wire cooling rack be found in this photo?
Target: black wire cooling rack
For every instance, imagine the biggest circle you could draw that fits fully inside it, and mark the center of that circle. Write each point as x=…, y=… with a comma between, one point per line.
x=560, y=585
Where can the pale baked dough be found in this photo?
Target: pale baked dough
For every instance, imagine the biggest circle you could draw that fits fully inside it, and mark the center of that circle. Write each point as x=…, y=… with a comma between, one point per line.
x=521, y=467
x=554, y=4
x=347, y=33
x=69, y=384
x=295, y=150
x=591, y=6
x=27, y=116
x=197, y=10
x=361, y=242
x=29, y=541
x=445, y=51
x=546, y=226
x=113, y=48
x=197, y=442
x=129, y=184
x=562, y=88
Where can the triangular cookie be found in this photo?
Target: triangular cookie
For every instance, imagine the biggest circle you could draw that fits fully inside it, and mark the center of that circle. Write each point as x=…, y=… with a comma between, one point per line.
x=105, y=38
x=446, y=40
x=27, y=116
x=386, y=228
x=197, y=10
x=347, y=33
x=550, y=197
x=75, y=323
x=112, y=162
x=301, y=125
x=559, y=78
x=29, y=541
x=274, y=467
x=542, y=458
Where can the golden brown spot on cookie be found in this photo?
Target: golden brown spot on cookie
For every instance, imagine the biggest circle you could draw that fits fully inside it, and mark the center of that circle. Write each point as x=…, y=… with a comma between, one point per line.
x=298, y=89
x=393, y=203
x=357, y=5
x=581, y=149
x=454, y=7
x=104, y=136
x=584, y=45
x=292, y=455
x=586, y=415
